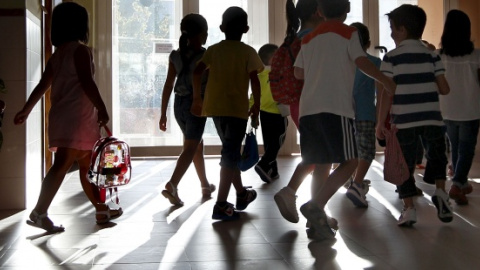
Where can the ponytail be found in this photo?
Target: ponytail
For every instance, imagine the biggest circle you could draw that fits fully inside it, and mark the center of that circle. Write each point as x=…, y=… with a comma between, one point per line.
x=293, y=22
x=191, y=26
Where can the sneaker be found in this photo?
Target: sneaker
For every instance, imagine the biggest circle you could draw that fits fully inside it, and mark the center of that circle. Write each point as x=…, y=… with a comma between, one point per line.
x=285, y=200
x=264, y=173
x=243, y=201
x=457, y=194
x=332, y=222
x=467, y=189
x=318, y=218
x=357, y=194
x=226, y=212
x=444, y=211
x=408, y=217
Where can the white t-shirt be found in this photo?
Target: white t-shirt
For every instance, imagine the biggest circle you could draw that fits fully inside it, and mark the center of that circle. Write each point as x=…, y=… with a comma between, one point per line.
x=463, y=101
x=328, y=56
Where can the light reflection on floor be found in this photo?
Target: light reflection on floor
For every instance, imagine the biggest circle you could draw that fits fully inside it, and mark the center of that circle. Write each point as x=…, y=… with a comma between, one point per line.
x=154, y=235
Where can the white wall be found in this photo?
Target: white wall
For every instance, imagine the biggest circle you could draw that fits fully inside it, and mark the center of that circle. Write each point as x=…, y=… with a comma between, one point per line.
x=20, y=68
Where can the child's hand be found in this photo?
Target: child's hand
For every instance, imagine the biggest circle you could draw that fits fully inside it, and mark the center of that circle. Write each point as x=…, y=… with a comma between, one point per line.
x=254, y=122
x=380, y=132
x=103, y=118
x=163, y=123
x=20, y=117
x=254, y=111
x=196, y=108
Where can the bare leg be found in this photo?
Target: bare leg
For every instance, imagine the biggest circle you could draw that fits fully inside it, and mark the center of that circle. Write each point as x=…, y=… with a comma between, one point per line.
x=64, y=158
x=335, y=180
x=319, y=178
x=300, y=173
x=199, y=163
x=226, y=177
x=362, y=169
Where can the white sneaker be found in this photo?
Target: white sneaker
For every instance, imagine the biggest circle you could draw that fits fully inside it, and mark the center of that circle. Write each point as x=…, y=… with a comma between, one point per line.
x=358, y=194
x=286, y=203
x=444, y=210
x=408, y=217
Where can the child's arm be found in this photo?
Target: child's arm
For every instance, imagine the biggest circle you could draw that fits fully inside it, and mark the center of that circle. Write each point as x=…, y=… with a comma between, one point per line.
x=197, y=89
x=299, y=73
x=255, y=108
x=35, y=96
x=443, y=87
x=83, y=60
x=367, y=67
x=167, y=92
x=383, y=108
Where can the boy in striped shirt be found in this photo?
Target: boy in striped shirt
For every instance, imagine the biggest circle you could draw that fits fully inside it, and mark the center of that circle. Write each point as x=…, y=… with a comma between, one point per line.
x=415, y=111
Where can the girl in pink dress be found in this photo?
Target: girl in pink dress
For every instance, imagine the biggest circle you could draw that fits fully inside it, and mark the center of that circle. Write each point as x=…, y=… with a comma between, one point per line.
x=77, y=110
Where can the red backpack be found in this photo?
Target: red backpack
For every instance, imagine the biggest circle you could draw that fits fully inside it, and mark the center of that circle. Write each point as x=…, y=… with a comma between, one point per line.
x=286, y=89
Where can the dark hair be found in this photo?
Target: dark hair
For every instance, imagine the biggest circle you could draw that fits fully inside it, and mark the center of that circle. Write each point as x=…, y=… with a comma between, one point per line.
x=191, y=26
x=412, y=17
x=234, y=20
x=69, y=23
x=363, y=33
x=266, y=52
x=297, y=15
x=456, y=37
x=333, y=8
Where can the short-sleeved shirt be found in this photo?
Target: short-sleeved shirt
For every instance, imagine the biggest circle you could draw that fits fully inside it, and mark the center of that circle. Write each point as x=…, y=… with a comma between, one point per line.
x=461, y=73
x=414, y=69
x=230, y=63
x=328, y=55
x=364, y=93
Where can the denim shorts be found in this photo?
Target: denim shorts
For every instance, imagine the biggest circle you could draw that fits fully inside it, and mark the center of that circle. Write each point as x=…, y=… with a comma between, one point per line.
x=435, y=148
x=231, y=131
x=192, y=126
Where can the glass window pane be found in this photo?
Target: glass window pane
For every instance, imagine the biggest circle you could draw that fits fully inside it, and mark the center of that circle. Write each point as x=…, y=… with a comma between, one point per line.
x=356, y=12
x=385, y=6
x=144, y=33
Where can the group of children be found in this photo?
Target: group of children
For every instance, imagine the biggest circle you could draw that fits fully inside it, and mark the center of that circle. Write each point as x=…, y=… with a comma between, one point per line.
x=215, y=83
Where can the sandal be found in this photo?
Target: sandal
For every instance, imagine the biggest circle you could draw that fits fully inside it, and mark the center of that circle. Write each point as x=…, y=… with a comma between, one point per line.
x=207, y=191
x=43, y=222
x=108, y=215
x=172, y=196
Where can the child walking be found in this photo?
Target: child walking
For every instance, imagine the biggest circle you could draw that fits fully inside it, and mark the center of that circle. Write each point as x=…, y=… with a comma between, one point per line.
x=181, y=65
x=272, y=122
x=462, y=65
x=364, y=91
x=415, y=110
x=76, y=113
x=305, y=16
x=326, y=110
x=232, y=65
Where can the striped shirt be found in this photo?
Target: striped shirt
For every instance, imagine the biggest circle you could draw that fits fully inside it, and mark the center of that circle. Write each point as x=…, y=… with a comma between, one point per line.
x=414, y=69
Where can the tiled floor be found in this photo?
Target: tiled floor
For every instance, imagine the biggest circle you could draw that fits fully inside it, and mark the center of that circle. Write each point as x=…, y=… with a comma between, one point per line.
x=153, y=235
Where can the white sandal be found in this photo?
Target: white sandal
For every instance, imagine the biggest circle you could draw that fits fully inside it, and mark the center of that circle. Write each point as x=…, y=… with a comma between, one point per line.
x=43, y=222
x=172, y=196
x=108, y=215
x=207, y=191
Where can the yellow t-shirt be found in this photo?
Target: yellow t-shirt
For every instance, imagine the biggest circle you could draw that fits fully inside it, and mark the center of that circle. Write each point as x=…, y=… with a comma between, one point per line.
x=267, y=104
x=230, y=63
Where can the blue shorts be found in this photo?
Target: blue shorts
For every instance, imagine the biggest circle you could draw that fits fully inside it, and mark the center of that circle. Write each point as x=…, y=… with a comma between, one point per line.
x=327, y=138
x=231, y=131
x=192, y=126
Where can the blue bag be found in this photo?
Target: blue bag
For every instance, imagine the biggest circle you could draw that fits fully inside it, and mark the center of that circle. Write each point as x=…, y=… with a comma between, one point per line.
x=250, y=152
